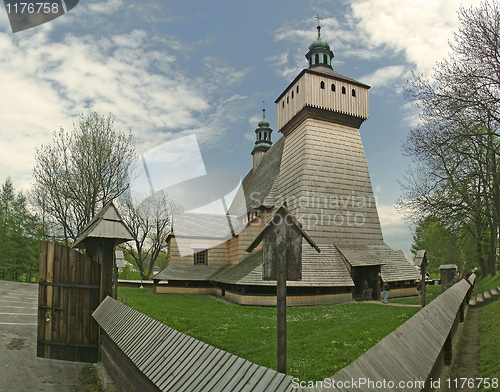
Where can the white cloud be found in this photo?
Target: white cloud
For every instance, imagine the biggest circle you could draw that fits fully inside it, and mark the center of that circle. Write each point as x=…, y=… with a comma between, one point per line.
x=133, y=76
x=420, y=29
x=386, y=76
x=396, y=232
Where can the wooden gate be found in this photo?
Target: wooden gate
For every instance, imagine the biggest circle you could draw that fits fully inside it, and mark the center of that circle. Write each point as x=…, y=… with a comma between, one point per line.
x=69, y=285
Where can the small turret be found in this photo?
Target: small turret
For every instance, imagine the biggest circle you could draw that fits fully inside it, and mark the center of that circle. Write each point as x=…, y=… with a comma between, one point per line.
x=263, y=140
x=319, y=52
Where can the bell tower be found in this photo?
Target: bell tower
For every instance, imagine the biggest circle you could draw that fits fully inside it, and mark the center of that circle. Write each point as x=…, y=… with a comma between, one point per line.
x=323, y=174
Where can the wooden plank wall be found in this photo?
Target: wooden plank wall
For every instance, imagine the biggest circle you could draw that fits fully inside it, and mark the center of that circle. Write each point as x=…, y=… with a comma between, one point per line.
x=68, y=294
x=141, y=353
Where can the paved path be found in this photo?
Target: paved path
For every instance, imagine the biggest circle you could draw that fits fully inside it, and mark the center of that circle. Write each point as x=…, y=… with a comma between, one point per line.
x=20, y=369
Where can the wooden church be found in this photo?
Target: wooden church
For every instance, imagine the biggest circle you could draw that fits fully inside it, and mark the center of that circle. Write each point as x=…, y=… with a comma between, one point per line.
x=318, y=170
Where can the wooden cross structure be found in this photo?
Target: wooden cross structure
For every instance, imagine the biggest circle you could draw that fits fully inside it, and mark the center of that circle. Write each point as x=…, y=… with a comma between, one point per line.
x=282, y=261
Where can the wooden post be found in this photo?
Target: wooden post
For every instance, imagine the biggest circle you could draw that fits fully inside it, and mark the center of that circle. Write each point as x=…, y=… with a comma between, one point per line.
x=106, y=250
x=282, y=261
x=281, y=305
x=423, y=284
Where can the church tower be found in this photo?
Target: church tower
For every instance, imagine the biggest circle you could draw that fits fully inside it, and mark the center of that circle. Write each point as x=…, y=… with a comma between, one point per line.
x=323, y=176
x=263, y=140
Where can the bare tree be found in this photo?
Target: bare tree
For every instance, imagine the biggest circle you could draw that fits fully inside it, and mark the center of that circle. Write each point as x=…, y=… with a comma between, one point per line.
x=80, y=171
x=150, y=222
x=457, y=144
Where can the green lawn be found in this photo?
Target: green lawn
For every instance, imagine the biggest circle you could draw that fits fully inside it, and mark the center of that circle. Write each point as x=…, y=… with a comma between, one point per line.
x=431, y=292
x=489, y=320
x=486, y=283
x=489, y=338
x=321, y=339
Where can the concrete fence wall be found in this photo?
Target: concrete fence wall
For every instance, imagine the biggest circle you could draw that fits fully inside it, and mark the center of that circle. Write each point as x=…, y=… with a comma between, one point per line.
x=412, y=357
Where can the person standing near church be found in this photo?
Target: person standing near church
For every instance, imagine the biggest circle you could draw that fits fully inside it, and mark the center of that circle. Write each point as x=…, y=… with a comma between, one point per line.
x=364, y=293
x=385, y=289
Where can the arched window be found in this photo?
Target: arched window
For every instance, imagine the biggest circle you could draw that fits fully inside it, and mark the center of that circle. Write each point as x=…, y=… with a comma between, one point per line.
x=283, y=103
x=353, y=93
x=333, y=87
x=322, y=85
x=316, y=59
x=297, y=89
x=287, y=100
x=265, y=136
x=292, y=94
x=260, y=135
x=325, y=59
x=343, y=90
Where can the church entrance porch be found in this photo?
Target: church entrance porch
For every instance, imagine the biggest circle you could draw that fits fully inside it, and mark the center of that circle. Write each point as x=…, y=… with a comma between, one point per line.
x=369, y=273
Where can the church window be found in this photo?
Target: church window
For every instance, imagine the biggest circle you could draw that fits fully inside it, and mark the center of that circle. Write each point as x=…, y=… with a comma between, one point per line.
x=353, y=92
x=265, y=136
x=201, y=256
x=325, y=59
x=343, y=90
x=322, y=85
x=316, y=59
x=283, y=103
x=286, y=99
x=260, y=135
x=333, y=87
x=292, y=94
x=297, y=89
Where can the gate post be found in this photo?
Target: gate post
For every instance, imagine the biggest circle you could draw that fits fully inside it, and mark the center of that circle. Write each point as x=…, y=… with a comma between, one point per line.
x=106, y=230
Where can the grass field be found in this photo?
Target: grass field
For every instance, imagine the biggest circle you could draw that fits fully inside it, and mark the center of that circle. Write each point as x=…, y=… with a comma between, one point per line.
x=431, y=292
x=321, y=339
x=486, y=283
x=489, y=338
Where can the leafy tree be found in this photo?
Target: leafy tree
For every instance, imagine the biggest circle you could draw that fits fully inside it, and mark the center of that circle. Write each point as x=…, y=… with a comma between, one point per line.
x=79, y=172
x=440, y=243
x=19, y=230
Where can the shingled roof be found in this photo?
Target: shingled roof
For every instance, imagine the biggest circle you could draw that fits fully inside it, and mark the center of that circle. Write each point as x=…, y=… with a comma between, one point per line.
x=395, y=266
x=325, y=269
x=257, y=185
x=181, y=271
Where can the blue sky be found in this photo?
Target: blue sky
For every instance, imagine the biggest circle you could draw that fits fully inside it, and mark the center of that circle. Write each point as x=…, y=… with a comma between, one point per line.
x=177, y=68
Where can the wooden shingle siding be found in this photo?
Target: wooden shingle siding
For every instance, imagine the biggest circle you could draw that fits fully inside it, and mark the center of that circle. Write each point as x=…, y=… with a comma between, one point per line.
x=325, y=269
x=324, y=161
x=173, y=361
x=312, y=95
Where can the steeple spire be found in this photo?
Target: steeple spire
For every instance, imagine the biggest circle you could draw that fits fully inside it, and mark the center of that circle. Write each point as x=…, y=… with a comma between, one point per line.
x=263, y=139
x=319, y=51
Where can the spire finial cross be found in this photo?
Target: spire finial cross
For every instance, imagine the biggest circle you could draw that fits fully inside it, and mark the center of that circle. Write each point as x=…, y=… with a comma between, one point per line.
x=318, y=17
x=264, y=109
x=319, y=27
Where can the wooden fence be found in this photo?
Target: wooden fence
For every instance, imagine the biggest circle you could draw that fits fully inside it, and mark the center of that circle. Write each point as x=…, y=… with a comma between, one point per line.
x=142, y=354
x=68, y=294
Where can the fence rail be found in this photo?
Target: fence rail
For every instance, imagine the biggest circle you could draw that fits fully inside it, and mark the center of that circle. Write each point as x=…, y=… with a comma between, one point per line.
x=414, y=353
x=142, y=354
